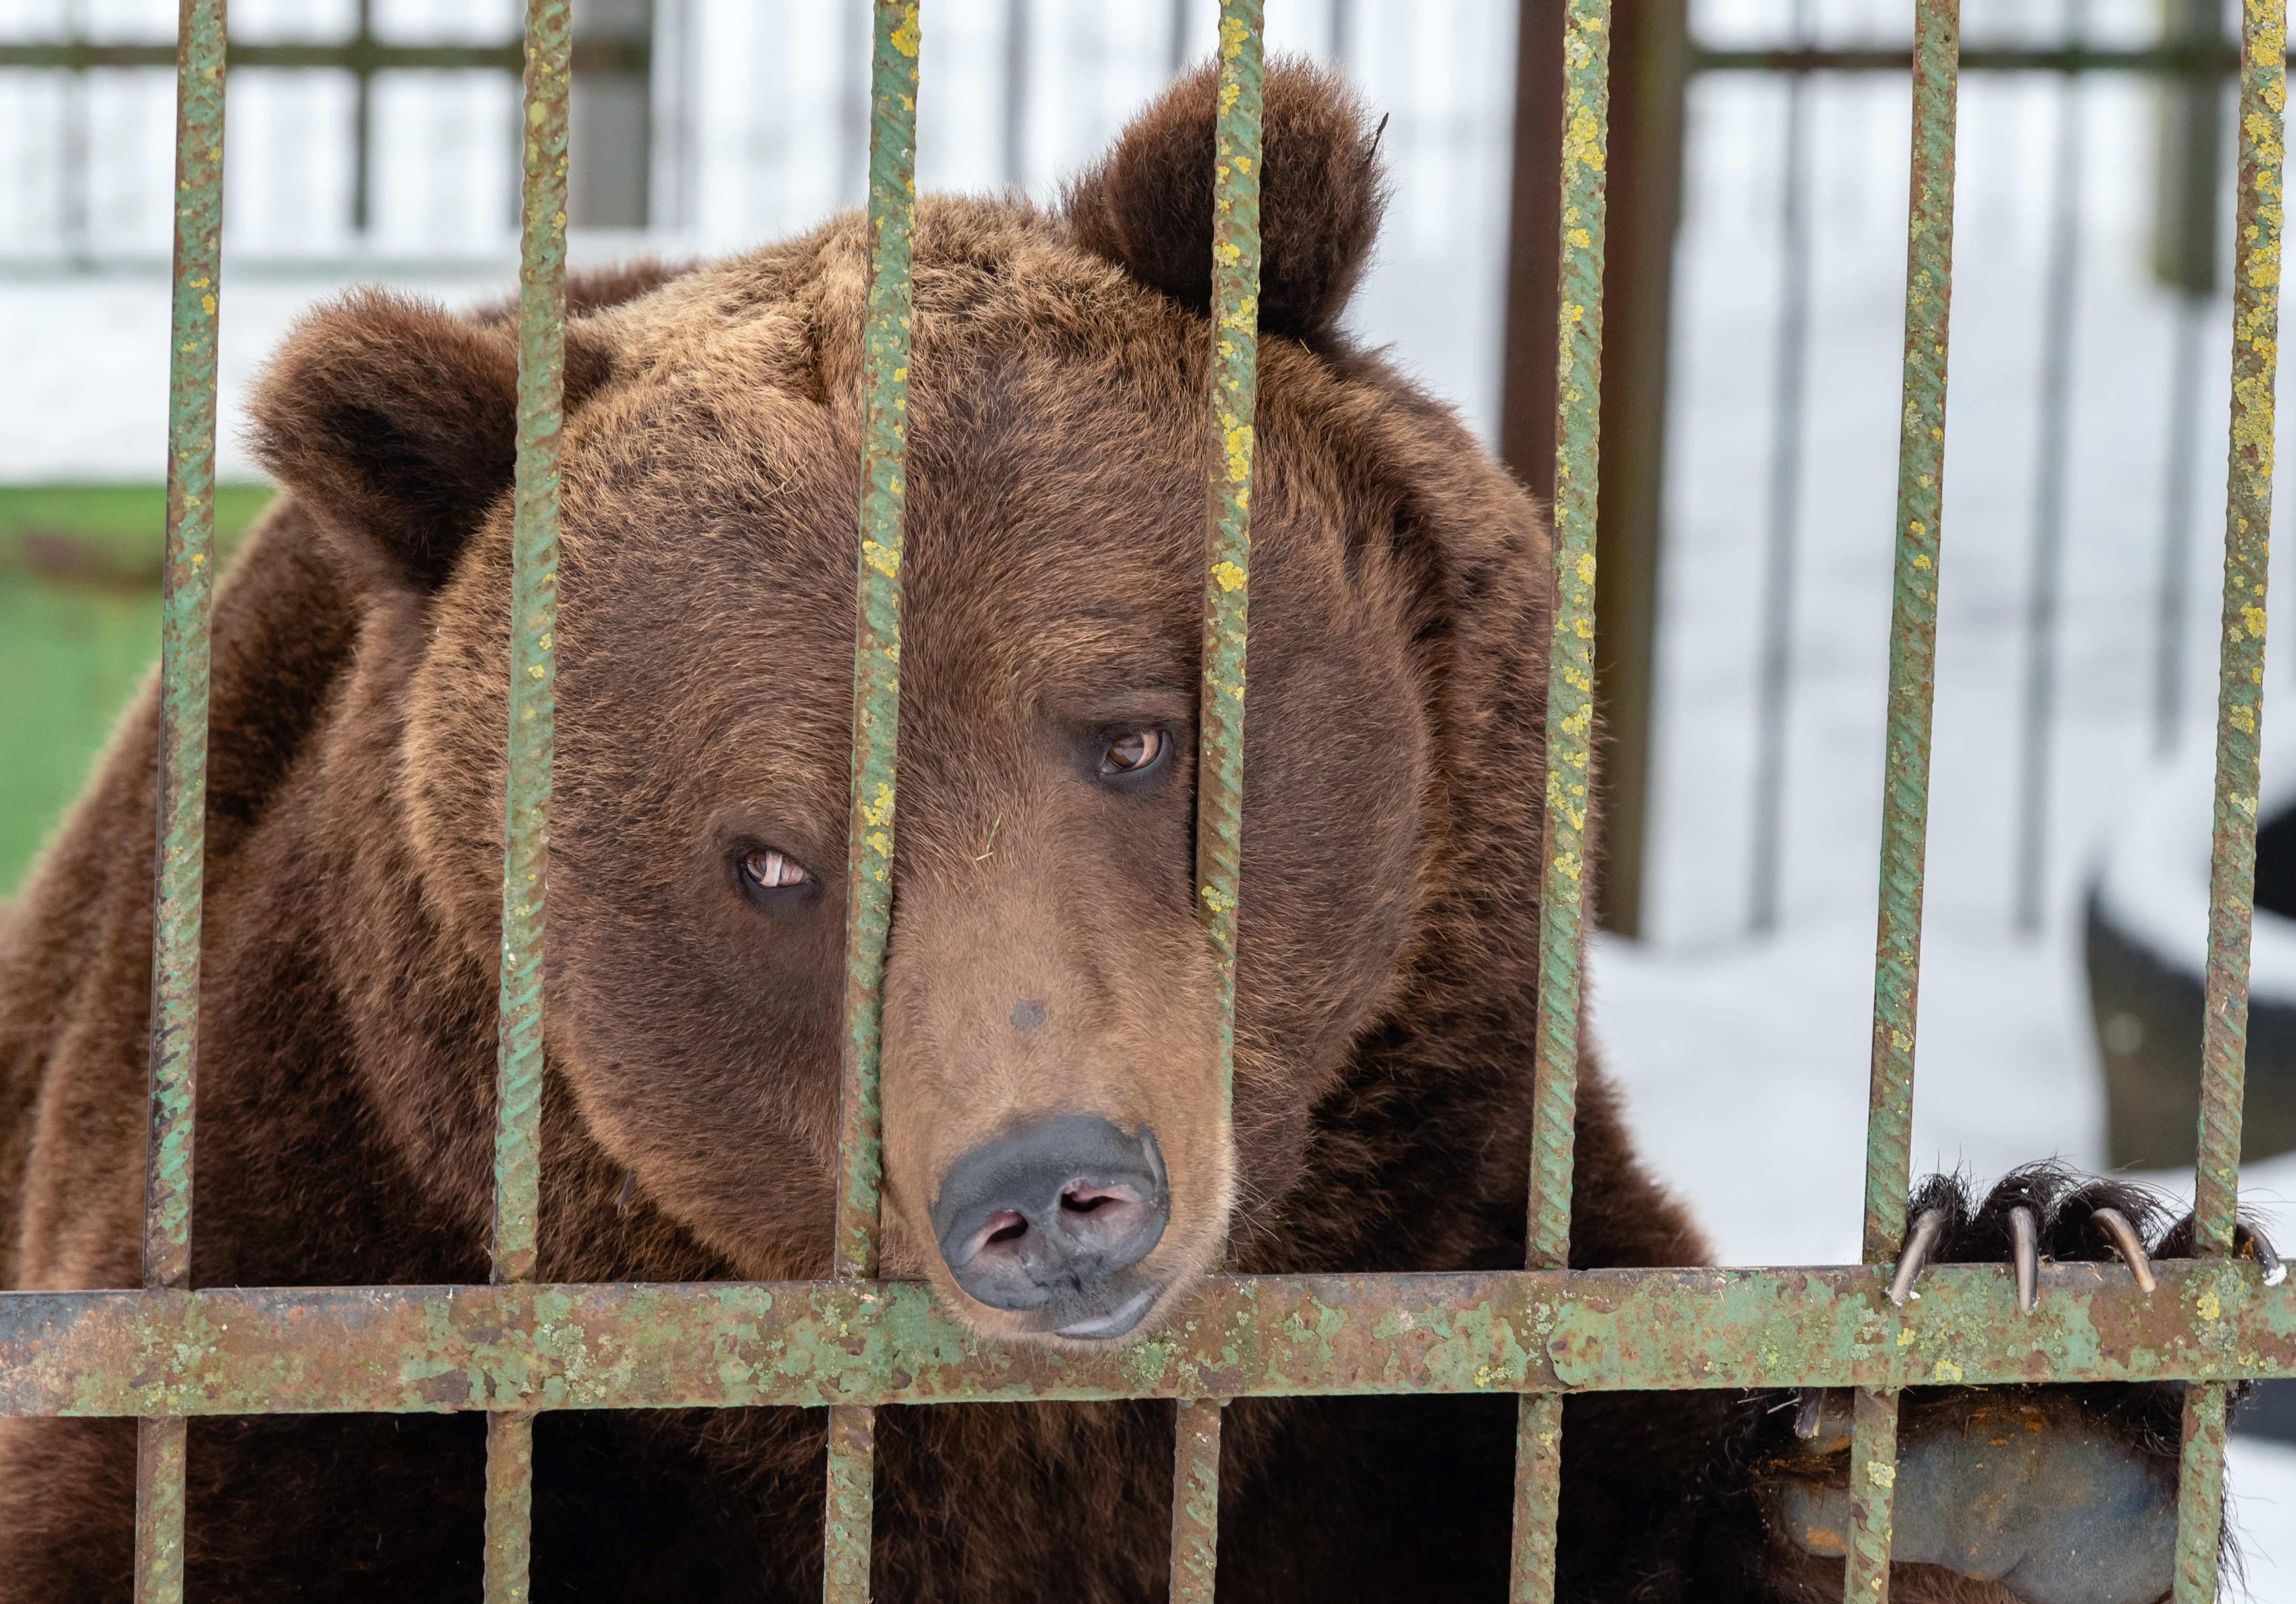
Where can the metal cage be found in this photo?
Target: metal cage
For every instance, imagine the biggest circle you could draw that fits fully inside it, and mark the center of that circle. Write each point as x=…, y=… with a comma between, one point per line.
x=856, y=1344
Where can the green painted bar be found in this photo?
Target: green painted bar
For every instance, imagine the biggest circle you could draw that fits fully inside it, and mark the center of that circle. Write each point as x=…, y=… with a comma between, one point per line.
x=877, y=652
x=2199, y=1495
x=509, y=1506
x=1571, y=655
x=159, y=1498
x=534, y=613
x=808, y=1343
x=2240, y=683
x=1913, y=630
x=532, y=735
x=1235, y=397
x=1906, y=759
x=188, y=587
x=1570, y=747
x=1873, y=1491
x=1538, y=1496
x=849, y=1518
x=847, y=1521
x=2240, y=730
x=188, y=582
x=1195, y=1499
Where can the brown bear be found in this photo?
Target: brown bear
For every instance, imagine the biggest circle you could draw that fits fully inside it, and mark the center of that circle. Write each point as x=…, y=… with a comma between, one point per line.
x=1056, y=1162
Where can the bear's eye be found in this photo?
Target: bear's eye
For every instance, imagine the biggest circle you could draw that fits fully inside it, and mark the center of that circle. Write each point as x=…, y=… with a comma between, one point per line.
x=771, y=870
x=1134, y=752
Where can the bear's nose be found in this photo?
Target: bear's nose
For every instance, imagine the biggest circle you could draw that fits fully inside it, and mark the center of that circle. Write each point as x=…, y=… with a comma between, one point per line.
x=1049, y=1219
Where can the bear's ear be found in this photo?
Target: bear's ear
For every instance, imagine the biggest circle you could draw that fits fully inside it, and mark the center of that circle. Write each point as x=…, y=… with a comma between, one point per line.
x=1147, y=205
x=397, y=422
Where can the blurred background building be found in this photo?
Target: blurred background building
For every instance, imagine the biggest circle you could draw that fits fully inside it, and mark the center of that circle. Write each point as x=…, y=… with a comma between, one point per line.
x=1759, y=185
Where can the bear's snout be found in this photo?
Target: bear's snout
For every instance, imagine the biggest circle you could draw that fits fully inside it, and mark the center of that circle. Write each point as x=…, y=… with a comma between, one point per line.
x=1053, y=1220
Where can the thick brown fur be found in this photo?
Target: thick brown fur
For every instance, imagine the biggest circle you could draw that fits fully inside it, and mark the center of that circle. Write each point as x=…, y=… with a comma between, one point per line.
x=1056, y=493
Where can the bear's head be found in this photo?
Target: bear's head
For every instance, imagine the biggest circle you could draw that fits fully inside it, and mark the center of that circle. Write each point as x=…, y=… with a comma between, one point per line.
x=1056, y=1159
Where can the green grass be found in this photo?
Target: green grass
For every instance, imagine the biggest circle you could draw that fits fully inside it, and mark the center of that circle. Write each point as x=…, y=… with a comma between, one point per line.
x=79, y=627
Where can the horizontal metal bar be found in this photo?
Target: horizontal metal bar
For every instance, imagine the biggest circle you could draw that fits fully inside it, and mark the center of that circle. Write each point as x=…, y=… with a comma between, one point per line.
x=302, y=1350
x=2175, y=58
x=627, y=57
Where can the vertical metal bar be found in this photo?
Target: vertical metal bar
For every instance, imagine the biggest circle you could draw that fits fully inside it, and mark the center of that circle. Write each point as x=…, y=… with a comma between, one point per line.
x=1016, y=94
x=160, y=1499
x=533, y=664
x=1772, y=703
x=2185, y=254
x=2240, y=680
x=1570, y=751
x=532, y=735
x=2060, y=289
x=1872, y=1489
x=2199, y=1494
x=1538, y=1496
x=363, y=120
x=1913, y=629
x=853, y=22
x=876, y=733
x=1905, y=771
x=181, y=847
x=73, y=209
x=1234, y=391
x=876, y=661
x=2176, y=522
x=849, y=1517
x=1234, y=398
x=1195, y=1499
x=509, y=1506
x=2240, y=730
x=188, y=588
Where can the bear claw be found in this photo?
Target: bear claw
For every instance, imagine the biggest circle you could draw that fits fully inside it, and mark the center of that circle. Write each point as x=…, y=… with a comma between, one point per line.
x=2123, y=1236
x=2046, y=1211
x=2025, y=1249
x=1924, y=1237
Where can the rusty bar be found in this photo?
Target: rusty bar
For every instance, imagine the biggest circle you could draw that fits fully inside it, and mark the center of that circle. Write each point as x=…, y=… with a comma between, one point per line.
x=850, y=1514
x=847, y=1518
x=2240, y=674
x=1913, y=632
x=181, y=846
x=160, y=1443
x=1571, y=658
x=1906, y=759
x=626, y=57
x=509, y=1506
x=876, y=662
x=809, y=1344
x=1234, y=392
x=1873, y=1484
x=1195, y=1499
x=188, y=587
x=2200, y=1494
x=1570, y=744
x=532, y=736
x=1538, y=1496
x=2240, y=728
x=533, y=664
